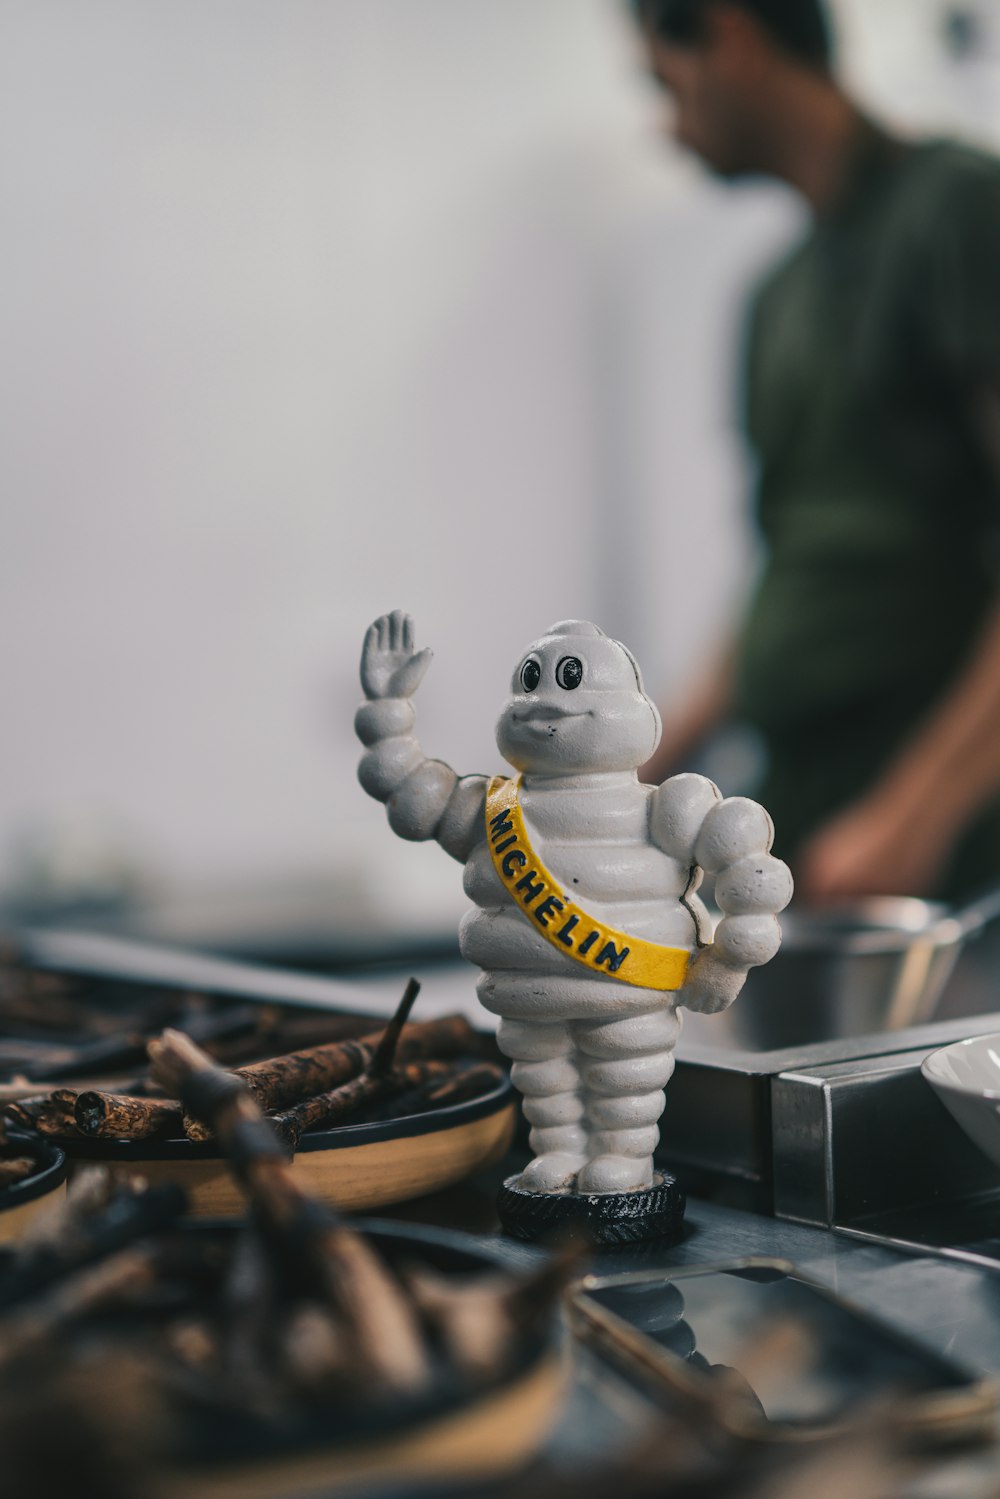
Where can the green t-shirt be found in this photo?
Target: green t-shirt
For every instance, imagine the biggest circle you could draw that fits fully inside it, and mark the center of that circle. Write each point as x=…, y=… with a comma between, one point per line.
x=869, y=348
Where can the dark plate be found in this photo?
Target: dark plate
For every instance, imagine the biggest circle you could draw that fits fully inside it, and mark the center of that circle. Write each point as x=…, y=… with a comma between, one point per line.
x=344, y=1137
x=51, y=1174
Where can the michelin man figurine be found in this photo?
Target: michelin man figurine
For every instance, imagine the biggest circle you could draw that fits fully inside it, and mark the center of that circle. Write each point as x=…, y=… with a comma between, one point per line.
x=587, y=925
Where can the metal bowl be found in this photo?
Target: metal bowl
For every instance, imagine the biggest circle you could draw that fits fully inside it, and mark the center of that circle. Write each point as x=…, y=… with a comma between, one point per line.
x=856, y=969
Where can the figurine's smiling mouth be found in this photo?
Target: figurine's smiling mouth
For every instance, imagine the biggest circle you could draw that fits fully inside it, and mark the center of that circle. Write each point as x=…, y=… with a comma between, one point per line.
x=545, y=714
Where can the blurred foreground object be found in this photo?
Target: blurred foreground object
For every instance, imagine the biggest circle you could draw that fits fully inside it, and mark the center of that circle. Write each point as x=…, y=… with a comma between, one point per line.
x=291, y=1351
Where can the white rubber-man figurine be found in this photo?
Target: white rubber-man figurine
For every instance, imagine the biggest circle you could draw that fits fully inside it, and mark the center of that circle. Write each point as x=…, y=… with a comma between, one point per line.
x=587, y=926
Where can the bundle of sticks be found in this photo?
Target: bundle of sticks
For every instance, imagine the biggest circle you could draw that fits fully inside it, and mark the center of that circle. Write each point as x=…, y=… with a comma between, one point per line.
x=399, y=1069
x=294, y=1318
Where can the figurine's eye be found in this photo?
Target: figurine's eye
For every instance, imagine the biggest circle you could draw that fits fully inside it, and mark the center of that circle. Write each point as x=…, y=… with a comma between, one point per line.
x=569, y=672
x=531, y=675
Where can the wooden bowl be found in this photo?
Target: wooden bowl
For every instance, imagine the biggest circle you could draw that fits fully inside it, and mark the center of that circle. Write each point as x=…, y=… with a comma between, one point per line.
x=354, y=1167
x=446, y=1436
x=463, y=1430
x=497, y=1432
x=21, y=1202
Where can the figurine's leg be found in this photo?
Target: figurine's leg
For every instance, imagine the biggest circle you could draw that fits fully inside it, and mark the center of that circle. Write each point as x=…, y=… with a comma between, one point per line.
x=624, y=1065
x=545, y=1074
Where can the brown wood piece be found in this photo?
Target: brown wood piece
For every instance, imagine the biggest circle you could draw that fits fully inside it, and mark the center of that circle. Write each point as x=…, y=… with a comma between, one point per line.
x=119, y=1116
x=71, y=1298
x=17, y=1169
x=329, y=1109
x=280, y=1082
x=313, y=1348
x=48, y=1113
x=193, y=1341
x=472, y=1319
x=482, y=1321
x=87, y=1192
x=462, y=1081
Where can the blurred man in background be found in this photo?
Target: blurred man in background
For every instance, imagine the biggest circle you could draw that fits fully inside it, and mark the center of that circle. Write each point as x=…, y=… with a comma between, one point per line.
x=869, y=658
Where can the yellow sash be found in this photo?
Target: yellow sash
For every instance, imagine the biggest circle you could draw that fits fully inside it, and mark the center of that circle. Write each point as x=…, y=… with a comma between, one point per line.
x=564, y=924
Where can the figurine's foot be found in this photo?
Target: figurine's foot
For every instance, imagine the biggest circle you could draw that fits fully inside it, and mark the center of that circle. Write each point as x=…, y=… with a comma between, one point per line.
x=554, y=1172
x=615, y=1173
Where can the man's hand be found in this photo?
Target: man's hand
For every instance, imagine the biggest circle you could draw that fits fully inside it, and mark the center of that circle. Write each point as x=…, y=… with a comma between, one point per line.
x=389, y=665
x=873, y=848
x=896, y=840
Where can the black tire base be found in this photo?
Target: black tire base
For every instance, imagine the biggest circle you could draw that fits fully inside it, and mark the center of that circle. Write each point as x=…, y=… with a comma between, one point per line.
x=599, y=1218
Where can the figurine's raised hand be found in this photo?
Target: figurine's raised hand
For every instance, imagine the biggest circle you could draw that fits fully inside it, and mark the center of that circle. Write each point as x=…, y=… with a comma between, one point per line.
x=424, y=798
x=390, y=667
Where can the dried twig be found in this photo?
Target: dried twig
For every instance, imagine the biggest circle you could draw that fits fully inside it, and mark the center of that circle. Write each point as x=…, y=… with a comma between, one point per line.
x=49, y=1114
x=380, y=1324
x=282, y=1081
x=329, y=1109
x=71, y=1298
x=482, y=1321
x=120, y=1116
x=83, y=1240
x=17, y=1169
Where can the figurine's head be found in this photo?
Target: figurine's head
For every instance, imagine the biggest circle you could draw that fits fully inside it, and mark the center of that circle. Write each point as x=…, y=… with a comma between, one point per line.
x=577, y=705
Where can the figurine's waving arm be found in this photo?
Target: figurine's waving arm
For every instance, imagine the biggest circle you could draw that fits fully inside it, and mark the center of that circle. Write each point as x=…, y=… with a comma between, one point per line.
x=425, y=798
x=731, y=839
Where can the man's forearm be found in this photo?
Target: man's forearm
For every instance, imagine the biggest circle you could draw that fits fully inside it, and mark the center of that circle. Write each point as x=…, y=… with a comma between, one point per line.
x=951, y=766
x=899, y=836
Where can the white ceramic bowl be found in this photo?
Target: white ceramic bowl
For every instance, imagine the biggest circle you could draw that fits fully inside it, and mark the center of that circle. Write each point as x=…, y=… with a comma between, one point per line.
x=966, y=1078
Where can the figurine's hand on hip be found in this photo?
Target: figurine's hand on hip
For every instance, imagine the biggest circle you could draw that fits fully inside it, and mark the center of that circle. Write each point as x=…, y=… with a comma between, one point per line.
x=390, y=667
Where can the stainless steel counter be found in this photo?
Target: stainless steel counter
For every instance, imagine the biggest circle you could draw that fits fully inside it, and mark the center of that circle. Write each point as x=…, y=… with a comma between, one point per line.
x=954, y=1308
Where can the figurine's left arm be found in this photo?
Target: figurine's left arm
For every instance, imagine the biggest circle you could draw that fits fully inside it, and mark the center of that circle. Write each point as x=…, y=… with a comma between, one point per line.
x=731, y=839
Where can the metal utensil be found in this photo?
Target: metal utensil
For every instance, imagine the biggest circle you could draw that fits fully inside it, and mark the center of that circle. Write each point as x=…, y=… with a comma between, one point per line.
x=117, y=959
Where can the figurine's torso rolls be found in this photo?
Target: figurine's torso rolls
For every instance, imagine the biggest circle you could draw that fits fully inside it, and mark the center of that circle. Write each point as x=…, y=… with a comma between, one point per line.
x=591, y=1052
x=594, y=836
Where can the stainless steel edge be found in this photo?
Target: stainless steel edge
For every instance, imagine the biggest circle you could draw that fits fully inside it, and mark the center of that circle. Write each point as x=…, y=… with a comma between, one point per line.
x=864, y=1138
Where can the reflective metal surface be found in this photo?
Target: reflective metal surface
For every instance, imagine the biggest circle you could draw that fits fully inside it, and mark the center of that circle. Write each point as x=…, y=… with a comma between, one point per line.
x=868, y=1136
x=769, y=1121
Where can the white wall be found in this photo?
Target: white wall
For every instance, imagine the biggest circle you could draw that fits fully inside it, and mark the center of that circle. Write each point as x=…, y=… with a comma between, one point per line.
x=897, y=55
x=311, y=309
